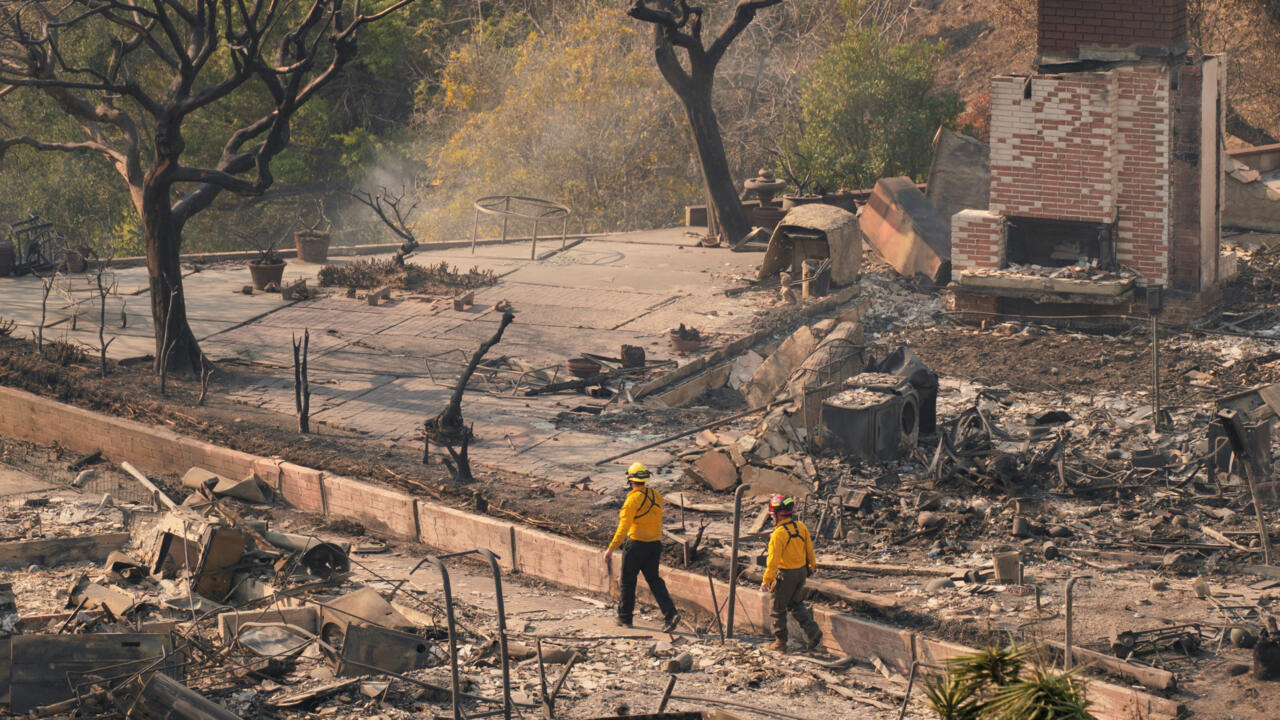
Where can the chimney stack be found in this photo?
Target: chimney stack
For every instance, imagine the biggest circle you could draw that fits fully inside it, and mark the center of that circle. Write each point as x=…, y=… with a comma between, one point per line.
x=1076, y=30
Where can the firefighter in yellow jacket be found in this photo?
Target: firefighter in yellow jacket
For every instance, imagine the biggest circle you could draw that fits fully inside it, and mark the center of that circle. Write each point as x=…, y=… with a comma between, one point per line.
x=791, y=561
x=640, y=527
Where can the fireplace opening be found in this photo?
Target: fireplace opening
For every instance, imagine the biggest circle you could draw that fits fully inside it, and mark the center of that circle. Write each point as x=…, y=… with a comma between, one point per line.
x=1059, y=243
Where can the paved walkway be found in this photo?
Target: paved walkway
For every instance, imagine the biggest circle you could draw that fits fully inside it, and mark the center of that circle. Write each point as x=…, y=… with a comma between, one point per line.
x=382, y=370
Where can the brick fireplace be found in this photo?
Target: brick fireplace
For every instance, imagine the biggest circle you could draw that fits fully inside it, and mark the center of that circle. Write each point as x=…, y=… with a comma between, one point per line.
x=1104, y=163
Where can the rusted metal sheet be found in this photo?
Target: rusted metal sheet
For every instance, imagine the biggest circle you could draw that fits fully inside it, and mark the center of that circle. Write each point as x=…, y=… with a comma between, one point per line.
x=366, y=647
x=901, y=224
x=45, y=667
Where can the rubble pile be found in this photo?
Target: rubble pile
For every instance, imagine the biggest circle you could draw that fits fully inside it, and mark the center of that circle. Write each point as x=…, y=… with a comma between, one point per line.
x=1084, y=270
x=208, y=608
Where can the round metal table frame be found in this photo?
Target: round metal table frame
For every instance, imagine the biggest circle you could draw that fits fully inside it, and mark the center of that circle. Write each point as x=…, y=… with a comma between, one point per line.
x=509, y=207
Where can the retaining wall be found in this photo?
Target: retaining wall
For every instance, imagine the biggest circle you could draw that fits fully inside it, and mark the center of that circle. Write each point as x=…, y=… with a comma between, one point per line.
x=523, y=549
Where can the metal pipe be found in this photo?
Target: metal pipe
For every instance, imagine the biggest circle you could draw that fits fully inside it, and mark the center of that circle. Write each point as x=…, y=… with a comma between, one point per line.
x=487, y=554
x=542, y=680
x=453, y=636
x=733, y=557
x=1071, y=582
x=1155, y=372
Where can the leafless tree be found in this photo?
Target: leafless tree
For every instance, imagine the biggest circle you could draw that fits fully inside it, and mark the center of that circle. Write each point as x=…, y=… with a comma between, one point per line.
x=676, y=24
x=46, y=282
x=389, y=207
x=131, y=73
x=104, y=289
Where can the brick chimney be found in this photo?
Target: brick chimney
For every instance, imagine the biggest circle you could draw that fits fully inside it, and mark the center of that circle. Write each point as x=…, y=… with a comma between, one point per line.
x=1074, y=30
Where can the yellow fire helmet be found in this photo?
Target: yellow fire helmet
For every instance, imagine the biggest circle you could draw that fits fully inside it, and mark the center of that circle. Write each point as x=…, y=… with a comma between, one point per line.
x=638, y=473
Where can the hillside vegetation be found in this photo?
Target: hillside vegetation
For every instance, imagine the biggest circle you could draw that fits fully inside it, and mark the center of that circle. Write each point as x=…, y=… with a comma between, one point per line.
x=562, y=100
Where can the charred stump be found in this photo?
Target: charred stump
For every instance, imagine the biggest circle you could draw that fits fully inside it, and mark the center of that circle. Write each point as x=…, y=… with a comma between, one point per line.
x=448, y=428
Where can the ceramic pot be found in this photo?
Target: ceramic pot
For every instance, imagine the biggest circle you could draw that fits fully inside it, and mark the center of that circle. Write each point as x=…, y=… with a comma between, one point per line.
x=266, y=274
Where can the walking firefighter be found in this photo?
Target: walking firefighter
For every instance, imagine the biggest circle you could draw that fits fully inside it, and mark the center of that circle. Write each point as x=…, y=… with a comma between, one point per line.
x=791, y=561
x=640, y=536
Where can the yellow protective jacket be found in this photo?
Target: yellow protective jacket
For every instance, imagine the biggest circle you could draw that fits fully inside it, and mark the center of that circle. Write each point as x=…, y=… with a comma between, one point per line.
x=790, y=547
x=640, y=518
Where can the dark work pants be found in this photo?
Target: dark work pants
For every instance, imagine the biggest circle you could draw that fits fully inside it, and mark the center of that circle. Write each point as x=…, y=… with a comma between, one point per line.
x=789, y=597
x=642, y=557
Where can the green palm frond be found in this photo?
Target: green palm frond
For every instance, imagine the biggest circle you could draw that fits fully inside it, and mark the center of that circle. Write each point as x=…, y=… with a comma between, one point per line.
x=994, y=666
x=952, y=699
x=1042, y=695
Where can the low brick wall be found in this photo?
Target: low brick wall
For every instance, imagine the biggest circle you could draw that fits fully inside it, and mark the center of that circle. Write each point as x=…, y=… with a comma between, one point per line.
x=537, y=553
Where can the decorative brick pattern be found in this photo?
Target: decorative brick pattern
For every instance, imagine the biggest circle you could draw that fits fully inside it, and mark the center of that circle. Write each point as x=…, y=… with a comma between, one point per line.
x=1143, y=127
x=1068, y=26
x=977, y=240
x=1094, y=147
x=1052, y=146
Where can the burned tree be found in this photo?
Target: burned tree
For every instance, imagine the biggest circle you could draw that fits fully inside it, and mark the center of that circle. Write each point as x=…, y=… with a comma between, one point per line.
x=302, y=381
x=448, y=429
x=388, y=208
x=131, y=74
x=676, y=24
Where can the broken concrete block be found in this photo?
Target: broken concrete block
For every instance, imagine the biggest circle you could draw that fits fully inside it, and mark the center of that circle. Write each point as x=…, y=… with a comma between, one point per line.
x=901, y=224
x=765, y=482
x=56, y=551
x=717, y=469
x=959, y=175
x=706, y=438
x=775, y=369
x=295, y=290
x=743, y=367
x=681, y=663
x=462, y=302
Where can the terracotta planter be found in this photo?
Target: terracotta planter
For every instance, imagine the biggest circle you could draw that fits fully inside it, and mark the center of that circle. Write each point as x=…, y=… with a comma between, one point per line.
x=313, y=245
x=790, y=201
x=266, y=274
x=844, y=200
x=584, y=368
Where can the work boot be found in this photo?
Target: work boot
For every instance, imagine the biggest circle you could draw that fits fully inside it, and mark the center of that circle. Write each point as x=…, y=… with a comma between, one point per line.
x=672, y=621
x=813, y=643
x=779, y=646
x=622, y=623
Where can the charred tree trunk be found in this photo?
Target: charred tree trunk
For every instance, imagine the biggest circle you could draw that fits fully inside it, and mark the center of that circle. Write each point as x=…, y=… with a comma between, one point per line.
x=448, y=429
x=677, y=24
x=728, y=209
x=163, y=236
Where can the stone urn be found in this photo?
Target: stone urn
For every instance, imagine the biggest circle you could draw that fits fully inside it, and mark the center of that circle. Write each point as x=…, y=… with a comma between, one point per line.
x=765, y=186
x=313, y=245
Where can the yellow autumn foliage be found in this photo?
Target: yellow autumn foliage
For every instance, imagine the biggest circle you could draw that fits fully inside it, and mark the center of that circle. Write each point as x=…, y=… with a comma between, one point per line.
x=583, y=119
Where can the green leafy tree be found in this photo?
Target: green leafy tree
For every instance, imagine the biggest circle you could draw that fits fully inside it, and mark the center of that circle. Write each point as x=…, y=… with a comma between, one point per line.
x=869, y=109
